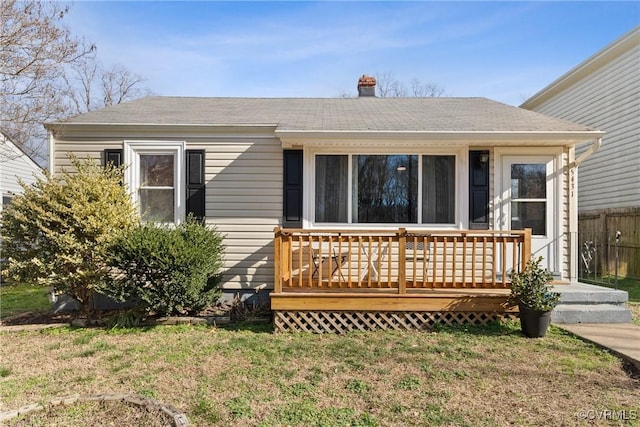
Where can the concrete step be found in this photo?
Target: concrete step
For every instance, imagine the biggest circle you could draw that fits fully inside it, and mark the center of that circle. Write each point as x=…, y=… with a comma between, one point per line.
x=584, y=303
x=591, y=313
x=582, y=293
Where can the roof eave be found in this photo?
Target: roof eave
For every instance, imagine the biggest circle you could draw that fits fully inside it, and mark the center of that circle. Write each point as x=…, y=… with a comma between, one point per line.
x=506, y=138
x=59, y=130
x=80, y=125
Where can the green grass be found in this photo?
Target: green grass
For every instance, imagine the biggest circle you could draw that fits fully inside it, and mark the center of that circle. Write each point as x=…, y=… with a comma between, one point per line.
x=16, y=298
x=246, y=376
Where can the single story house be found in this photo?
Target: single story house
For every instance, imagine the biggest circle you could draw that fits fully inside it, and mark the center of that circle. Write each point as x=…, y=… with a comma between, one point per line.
x=353, y=205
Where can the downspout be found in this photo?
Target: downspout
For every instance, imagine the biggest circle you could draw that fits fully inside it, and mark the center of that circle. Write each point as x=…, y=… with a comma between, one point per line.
x=595, y=147
x=573, y=206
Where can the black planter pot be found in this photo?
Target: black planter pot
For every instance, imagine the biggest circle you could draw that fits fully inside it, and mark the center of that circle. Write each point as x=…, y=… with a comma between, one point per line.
x=534, y=323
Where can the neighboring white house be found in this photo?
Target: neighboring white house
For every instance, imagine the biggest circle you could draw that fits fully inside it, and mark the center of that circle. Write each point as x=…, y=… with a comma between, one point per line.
x=15, y=165
x=248, y=165
x=603, y=92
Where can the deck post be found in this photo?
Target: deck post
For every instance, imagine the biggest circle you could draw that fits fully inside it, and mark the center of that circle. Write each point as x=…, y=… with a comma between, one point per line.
x=526, y=248
x=277, y=261
x=402, y=261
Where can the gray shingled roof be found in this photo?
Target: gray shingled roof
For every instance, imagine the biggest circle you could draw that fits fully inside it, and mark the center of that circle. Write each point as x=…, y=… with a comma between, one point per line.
x=333, y=114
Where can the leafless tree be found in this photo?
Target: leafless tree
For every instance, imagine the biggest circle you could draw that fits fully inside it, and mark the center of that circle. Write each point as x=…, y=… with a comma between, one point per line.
x=389, y=87
x=47, y=74
x=426, y=90
x=89, y=86
x=34, y=47
x=79, y=84
x=120, y=85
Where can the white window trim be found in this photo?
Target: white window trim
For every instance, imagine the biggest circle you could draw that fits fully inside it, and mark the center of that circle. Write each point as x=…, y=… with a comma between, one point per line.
x=132, y=151
x=461, y=154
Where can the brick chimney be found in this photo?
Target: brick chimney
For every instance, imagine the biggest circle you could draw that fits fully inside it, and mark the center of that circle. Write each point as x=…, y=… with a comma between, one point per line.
x=366, y=86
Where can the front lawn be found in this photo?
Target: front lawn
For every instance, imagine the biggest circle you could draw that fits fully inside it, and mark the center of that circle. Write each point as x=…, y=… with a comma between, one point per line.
x=16, y=298
x=247, y=376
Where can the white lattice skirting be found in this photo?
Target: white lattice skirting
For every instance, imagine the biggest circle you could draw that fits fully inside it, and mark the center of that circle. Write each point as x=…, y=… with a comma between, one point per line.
x=345, y=321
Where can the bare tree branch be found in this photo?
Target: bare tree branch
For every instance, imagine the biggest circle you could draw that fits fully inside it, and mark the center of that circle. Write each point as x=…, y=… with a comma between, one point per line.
x=424, y=90
x=120, y=85
x=34, y=47
x=46, y=74
x=388, y=86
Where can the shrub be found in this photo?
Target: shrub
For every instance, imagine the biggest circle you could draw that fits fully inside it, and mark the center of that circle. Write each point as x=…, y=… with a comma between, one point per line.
x=530, y=288
x=57, y=231
x=170, y=270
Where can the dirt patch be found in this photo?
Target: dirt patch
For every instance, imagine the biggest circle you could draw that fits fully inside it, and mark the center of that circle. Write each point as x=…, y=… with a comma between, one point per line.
x=105, y=410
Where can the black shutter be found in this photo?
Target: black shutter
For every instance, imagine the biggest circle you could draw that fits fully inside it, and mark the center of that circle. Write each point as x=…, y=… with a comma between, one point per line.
x=195, y=183
x=292, y=192
x=113, y=156
x=479, y=190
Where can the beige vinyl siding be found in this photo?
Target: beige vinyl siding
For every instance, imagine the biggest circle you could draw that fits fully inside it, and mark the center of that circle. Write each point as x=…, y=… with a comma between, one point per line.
x=244, y=201
x=243, y=177
x=607, y=98
x=81, y=148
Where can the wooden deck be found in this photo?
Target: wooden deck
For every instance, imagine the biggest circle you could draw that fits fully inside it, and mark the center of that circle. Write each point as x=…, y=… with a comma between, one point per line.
x=337, y=280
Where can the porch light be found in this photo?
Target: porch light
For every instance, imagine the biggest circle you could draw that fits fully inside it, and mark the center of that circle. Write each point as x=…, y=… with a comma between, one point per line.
x=401, y=168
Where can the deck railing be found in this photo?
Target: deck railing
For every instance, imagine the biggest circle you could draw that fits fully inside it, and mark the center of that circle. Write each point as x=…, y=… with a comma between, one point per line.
x=397, y=260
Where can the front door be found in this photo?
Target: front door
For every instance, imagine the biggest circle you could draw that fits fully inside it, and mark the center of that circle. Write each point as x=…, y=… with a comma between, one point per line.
x=528, y=195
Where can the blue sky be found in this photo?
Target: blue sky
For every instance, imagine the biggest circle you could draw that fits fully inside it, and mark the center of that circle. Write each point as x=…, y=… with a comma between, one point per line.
x=506, y=51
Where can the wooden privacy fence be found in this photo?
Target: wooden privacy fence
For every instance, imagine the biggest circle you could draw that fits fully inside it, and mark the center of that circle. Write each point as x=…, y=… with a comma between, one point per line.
x=596, y=240
x=396, y=260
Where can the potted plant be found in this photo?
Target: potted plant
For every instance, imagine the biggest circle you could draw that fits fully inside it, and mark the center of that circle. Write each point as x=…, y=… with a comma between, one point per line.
x=530, y=290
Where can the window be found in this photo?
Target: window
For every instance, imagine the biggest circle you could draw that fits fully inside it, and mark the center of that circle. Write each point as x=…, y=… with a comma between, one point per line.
x=331, y=188
x=528, y=197
x=385, y=189
x=438, y=189
x=157, y=191
x=155, y=177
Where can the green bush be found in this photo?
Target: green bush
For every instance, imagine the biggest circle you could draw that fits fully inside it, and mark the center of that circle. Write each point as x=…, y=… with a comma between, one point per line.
x=530, y=287
x=169, y=269
x=57, y=231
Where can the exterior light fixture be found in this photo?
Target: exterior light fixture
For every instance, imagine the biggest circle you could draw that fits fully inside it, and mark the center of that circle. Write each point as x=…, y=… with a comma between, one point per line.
x=401, y=168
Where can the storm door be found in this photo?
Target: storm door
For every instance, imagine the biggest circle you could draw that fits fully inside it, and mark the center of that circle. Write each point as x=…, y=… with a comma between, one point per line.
x=528, y=202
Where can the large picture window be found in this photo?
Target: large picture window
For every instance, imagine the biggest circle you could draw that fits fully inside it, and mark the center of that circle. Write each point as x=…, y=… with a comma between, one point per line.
x=385, y=189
